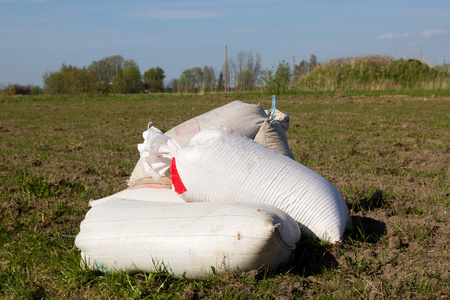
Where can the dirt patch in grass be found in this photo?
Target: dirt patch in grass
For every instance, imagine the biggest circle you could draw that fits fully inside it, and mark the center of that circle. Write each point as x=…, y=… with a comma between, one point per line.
x=389, y=157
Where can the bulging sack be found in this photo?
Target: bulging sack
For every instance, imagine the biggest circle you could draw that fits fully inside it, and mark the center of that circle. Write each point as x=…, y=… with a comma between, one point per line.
x=149, y=193
x=240, y=116
x=272, y=135
x=222, y=165
x=250, y=120
x=189, y=240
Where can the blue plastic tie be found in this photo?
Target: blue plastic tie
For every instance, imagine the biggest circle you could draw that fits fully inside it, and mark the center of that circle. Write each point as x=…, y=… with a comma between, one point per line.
x=274, y=106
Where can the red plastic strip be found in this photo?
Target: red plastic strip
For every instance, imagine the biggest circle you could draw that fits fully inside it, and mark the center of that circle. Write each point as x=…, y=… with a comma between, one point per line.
x=178, y=185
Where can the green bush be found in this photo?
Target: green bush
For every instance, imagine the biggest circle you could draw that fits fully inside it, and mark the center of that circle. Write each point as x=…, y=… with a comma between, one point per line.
x=8, y=91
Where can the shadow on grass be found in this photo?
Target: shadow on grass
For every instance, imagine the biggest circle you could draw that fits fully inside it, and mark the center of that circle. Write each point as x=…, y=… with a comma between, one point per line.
x=376, y=200
x=314, y=257
x=366, y=230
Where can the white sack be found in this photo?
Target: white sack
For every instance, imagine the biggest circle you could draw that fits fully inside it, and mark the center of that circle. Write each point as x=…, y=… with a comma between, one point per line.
x=157, y=150
x=280, y=117
x=242, y=117
x=185, y=239
x=140, y=176
x=248, y=119
x=222, y=165
x=271, y=134
x=150, y=193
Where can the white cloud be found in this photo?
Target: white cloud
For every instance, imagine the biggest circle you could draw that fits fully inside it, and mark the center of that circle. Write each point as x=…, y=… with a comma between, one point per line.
x=424, y=33
x=388, y=36
x=177, y=14
x=432, y=32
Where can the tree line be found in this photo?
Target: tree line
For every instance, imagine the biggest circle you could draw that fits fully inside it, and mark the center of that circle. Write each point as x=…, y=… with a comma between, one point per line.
x=117, y=75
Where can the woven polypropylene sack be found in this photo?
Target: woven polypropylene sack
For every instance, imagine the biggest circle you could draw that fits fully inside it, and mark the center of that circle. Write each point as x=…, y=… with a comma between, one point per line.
x=242, y=117
x=149, y=193
x=140, y=177
x=279, y=117
x=271, y=134
x=248, y=119
x=222, y=165
x=185, y=239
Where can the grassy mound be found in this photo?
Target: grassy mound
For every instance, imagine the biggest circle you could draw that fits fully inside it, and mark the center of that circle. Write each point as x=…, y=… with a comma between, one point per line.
x=374, y=73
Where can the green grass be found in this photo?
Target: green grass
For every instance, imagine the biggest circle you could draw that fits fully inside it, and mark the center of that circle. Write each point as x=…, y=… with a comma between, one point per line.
x=387, y=155
x=374, y=73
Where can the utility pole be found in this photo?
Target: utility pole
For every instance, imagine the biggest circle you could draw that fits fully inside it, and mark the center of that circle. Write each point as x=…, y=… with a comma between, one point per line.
x=420, y=55
x=226, y=70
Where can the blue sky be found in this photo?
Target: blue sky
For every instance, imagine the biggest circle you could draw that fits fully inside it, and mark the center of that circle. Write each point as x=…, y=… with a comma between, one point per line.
x=37, y=36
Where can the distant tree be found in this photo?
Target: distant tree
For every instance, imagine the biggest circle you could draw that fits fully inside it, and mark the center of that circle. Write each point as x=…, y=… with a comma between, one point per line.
x=209, y=79
x=243, y=81
x=105, y=71
x=244, y=70
x=117, y=84
x=220, y=86
x=131, y=77
x=304, y=67
x=300, y=70
x=312, y=62
x=113, y=63
x=283, y=77
x=154, y=79
x=266, y=80
x=16, y=89
x=36, y=90
x=109, y=74
x=276, y=81
x=173, y=85
x=128, y=78
x=101, y=75
x=190, y=80
x=8, y=90
x=70, y=80
x=101, y=72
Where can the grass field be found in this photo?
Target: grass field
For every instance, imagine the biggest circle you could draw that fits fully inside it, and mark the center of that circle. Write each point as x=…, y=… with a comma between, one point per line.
x=389, y=156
